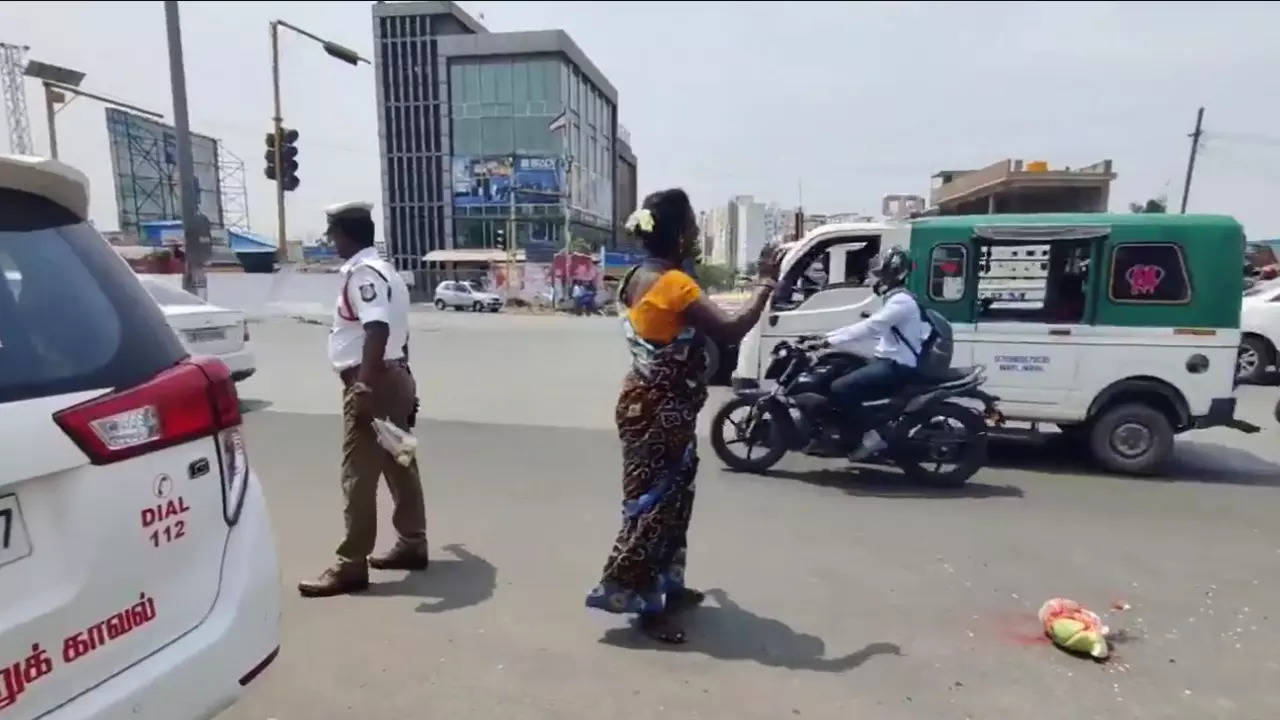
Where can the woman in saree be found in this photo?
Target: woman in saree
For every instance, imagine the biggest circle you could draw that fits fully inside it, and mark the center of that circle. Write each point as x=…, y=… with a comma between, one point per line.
x=666, y=320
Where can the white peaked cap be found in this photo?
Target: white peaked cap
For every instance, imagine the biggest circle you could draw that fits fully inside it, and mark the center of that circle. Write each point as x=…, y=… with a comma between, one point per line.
x=348, y=209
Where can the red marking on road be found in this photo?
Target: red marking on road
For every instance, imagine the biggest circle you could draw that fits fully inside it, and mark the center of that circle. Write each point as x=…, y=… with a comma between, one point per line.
x=1016, y=627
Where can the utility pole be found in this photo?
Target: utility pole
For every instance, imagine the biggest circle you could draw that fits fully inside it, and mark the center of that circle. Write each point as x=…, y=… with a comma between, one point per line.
x=193, y=280
x=1191, y=161
x=278, y=129
x=511, y=228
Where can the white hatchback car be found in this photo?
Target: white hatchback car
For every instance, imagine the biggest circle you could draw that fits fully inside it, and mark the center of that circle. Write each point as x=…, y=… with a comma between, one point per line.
x=461, y=295
x=205, y=328
x=138, y=573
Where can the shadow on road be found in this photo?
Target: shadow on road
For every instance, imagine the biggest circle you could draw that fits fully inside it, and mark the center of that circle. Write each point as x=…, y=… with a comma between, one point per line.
x=726, y=631
x=468, y=580
x=873, y=482
x=1192, y=462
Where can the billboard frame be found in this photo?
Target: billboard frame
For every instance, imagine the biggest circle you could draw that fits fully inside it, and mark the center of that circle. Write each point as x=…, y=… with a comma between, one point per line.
x=146, y=184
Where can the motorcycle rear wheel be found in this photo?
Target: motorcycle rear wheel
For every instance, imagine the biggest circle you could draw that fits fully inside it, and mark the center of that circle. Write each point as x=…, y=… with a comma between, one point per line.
x=957, y=439
x=733, y=431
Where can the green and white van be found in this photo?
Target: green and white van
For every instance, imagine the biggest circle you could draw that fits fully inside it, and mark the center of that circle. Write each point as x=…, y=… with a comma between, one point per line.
x=1122, y=330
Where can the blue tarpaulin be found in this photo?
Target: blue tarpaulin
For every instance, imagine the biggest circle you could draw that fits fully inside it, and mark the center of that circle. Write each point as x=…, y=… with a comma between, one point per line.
x=243, y=241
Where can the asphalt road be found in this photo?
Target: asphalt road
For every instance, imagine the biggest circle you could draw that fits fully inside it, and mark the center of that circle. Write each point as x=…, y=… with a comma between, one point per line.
x=833, y=594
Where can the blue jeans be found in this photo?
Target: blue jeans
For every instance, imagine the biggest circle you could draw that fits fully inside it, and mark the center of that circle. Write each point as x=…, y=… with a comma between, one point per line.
x=878, y=379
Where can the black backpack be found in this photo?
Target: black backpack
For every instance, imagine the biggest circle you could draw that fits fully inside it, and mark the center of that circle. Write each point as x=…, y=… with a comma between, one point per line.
x=933, y=358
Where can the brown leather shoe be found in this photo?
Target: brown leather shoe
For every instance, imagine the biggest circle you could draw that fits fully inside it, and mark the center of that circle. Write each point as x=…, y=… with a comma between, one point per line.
x=401, y=557
x=335, y=581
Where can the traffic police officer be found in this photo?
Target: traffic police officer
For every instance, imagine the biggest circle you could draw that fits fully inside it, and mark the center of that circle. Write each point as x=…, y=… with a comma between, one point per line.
x=368, y=347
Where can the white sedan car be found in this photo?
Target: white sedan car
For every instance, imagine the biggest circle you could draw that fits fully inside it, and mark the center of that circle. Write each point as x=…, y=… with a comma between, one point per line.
x=204, y=328
x=1259, y=331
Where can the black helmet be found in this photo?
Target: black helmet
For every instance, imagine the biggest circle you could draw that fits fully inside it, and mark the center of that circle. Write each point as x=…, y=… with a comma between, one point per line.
x=894, y=267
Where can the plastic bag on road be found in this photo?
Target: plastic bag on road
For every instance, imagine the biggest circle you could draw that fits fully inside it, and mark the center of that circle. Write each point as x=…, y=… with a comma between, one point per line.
x=1073, y=627
x=402, y=445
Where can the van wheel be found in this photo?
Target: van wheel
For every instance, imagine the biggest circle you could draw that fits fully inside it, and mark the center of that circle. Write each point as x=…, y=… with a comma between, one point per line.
x=1132, y=438
x=1252, y=359
x=440, y=305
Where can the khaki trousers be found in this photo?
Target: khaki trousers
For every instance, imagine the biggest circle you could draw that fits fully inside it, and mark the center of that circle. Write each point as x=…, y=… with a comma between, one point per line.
x=364, y=460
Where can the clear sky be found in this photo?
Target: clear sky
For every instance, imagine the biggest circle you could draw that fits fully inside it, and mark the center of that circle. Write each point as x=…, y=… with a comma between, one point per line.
x=854, y=100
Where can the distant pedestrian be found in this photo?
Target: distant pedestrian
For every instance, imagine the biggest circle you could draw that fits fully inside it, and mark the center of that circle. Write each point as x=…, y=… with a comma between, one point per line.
x=369, y=349
x=666, y=319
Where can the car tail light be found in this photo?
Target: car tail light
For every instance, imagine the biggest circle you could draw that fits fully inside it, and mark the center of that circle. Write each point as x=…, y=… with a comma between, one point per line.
x=193, y=399
x=234, y=463
x=246, y=331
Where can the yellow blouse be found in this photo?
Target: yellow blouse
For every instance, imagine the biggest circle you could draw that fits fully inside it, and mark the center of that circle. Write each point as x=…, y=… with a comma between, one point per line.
x=658, y=316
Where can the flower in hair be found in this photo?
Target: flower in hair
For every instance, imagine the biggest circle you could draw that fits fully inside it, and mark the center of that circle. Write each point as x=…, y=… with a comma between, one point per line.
x=642, y=219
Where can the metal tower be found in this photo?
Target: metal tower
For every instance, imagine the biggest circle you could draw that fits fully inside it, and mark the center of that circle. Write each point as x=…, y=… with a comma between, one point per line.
x=235, y=193
x=12, y=63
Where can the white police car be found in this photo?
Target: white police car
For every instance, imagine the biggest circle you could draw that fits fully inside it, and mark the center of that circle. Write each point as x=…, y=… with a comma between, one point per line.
x=138, y=574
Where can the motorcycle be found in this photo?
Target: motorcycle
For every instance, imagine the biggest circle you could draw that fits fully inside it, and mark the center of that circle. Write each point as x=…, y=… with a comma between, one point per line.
x=929, y=434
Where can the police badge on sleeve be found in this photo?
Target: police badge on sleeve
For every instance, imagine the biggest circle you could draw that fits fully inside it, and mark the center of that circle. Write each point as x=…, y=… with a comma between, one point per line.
x=368, y=292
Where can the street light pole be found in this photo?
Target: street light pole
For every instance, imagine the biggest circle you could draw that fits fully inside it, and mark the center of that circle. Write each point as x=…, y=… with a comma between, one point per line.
x=53, y=94
x=340, y=52
x=53, y=126
x=193, y=279
x=567, y=203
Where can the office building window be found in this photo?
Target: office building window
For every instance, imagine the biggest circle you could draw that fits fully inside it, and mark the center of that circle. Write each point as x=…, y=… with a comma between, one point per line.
x=466, y=137
x=471, y=83
x=552, y=71
x=502, y=81
x=562, y=77
x=520, y=82
x=488, y=83
x=533, y=137
x=496, y=136
x=469, y=233
x=456, y=83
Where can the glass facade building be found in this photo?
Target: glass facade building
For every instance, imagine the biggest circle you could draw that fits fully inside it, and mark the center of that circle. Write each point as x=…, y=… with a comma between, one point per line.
x=487, y=138
x=511, y=169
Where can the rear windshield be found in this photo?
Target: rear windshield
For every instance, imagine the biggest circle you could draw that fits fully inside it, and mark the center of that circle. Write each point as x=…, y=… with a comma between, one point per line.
x=73, y=316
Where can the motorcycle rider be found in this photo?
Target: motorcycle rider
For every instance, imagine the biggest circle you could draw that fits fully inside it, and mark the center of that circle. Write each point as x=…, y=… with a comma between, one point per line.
x=900, y=331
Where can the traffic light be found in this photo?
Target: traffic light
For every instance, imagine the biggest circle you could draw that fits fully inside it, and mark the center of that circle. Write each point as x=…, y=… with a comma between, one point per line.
x=288, y=158
x=500, y=238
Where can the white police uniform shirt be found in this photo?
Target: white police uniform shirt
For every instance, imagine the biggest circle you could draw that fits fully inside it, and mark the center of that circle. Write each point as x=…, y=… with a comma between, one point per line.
x=374, y=292
x=900, y=311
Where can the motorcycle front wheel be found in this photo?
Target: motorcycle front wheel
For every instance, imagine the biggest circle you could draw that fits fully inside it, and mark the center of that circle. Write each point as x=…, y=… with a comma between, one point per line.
x=745, y=437
x=943, y=445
